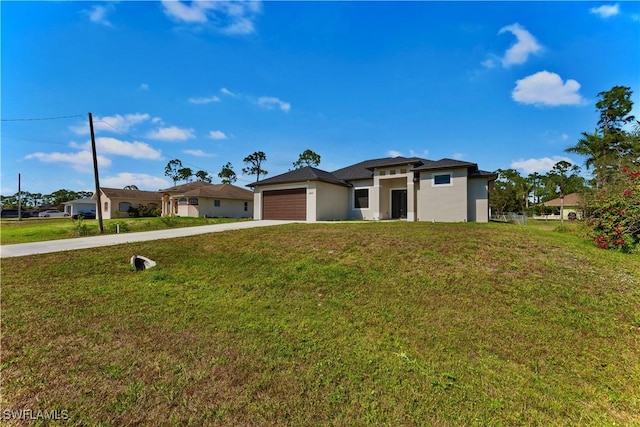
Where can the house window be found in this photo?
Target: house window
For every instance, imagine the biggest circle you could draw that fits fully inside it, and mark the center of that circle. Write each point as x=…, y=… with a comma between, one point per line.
x=392, y=172
x=444, y=179
x=383, y=173
x=361, y=198
x=403, y=171
x=193, y=201
x=182, y=201
x=106, y=206
x=124, y=206
x=216, y=203
x=246, y=206
x=152, y=206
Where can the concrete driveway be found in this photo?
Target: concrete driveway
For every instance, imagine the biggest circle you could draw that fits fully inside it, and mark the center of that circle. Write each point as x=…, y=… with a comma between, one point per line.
x=24, y=249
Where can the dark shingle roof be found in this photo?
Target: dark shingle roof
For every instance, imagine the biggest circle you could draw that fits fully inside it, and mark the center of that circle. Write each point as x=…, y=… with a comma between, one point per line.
x=364, y=170
x=483, y=174
x=444, y=164
x=307, y=173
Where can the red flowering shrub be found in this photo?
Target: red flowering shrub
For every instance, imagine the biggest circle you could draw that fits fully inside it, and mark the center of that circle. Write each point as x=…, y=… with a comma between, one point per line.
x=615, y=215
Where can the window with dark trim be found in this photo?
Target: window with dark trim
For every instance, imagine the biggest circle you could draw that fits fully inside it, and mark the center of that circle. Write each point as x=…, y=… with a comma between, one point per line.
x=124, y=206
x=444, y=179
x=246, y=206
x=182, y=201
x=193, y=201
x=216, y=203
x=106, y=206
x=361, y=198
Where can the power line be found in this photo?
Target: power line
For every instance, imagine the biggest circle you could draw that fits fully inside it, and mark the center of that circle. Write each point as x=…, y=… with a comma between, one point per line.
x=42, y=118
x=142, y=140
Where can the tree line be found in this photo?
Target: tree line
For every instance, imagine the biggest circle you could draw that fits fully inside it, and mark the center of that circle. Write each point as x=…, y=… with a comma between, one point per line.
x=254, y=162
x=608, y=149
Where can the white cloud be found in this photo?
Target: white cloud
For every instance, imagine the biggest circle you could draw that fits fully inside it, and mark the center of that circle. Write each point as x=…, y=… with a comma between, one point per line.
x=81, y=161
x=526, y=44
x=204, y=100
x=198, y=153
x=98, y=14
x=230, y=17
x=489, y=63
x=136, y=149
x=140, y=180
x=217, y=134
x=424, y=153
x=545, y=88
x=227, y=92
x=111, y=123
x=542, y=165
x=172, y=133
x=269, y=102
x=458, y=156
x=606, y=11
x=144, y=86
x=394, y=153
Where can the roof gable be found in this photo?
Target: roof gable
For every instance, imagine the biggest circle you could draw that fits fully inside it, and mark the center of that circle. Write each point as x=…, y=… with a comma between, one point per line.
x=364, y=170
x=445, y=163
x=307, y=173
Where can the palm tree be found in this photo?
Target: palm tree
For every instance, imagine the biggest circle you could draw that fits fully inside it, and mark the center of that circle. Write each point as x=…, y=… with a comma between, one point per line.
x=599, y=157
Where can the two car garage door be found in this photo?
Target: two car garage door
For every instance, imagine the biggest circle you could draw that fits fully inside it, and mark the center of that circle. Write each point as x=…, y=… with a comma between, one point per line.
x=285, y=204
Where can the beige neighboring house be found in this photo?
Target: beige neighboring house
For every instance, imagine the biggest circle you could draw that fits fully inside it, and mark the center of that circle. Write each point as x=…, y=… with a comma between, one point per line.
x=202, y=199
x=414, y=189
x=116, y=202
x=571, y=205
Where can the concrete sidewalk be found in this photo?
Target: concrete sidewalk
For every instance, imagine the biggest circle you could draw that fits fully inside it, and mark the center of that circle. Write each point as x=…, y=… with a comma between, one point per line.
x=24, y=249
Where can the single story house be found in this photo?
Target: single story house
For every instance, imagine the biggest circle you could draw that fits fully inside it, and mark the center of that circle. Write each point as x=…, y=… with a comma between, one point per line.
x=116, y=201
x=414, y=189
x=202, y=199
x=79, y=206
x=570, y=204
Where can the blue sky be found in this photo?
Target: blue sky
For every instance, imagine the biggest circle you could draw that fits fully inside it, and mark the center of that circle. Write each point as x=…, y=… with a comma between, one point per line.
x=502, y=84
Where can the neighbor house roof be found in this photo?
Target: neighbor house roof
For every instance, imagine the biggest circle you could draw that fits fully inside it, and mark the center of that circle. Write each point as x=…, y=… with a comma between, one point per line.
x=220, y=191
x=307, y=173
x=119, y=193
x=206, y=189
x=573, y=199
x=86, y=200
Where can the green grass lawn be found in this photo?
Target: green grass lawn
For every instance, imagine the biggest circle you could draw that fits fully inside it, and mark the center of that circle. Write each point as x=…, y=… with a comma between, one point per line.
x=40, y=229
x=329, y=324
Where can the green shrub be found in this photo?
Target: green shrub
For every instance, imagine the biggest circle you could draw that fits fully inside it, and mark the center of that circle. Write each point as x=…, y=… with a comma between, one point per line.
x=615, y=215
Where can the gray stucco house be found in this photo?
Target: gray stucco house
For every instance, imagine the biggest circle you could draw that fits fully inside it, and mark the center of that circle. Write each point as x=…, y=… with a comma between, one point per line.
x=414, y=189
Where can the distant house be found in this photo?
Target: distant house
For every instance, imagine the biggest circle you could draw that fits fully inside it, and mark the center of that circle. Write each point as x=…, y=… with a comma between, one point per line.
x=116, y=201
x=414, y=189
x=202, y=199
x=571, y=203
x=80, y=206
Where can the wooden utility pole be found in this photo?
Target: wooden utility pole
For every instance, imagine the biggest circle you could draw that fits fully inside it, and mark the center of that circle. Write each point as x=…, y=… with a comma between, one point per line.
x=95, y=174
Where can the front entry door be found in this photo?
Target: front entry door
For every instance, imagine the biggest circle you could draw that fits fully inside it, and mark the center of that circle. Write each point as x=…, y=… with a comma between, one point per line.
x=398, y=204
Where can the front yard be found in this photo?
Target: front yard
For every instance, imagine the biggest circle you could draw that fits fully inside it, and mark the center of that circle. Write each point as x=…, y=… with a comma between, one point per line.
x=329, y=324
